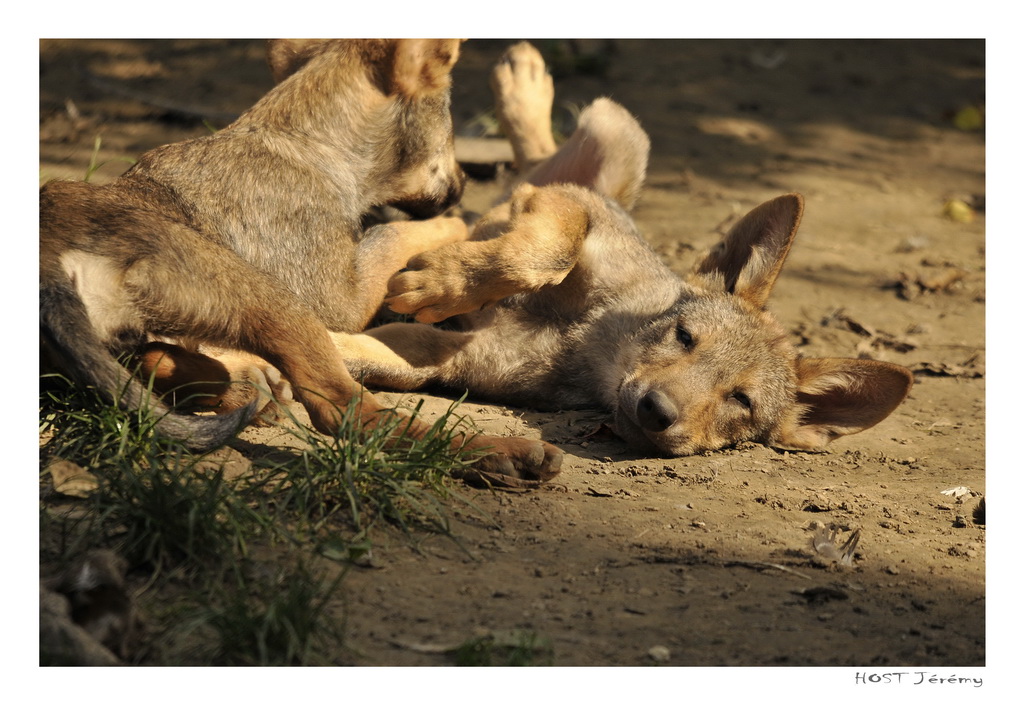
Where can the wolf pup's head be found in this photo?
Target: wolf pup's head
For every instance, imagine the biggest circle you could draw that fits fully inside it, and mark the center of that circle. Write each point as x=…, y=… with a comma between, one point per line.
x=398, y=93
x=718, y=369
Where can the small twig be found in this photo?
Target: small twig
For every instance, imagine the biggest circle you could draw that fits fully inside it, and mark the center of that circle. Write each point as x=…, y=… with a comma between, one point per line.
x=425, y=648
x=759, y=565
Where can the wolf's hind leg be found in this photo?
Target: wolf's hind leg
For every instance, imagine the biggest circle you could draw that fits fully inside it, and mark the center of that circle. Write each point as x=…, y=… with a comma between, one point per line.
x=523, y=96
x=402, y=356
x=607, y=152
x=213, y=379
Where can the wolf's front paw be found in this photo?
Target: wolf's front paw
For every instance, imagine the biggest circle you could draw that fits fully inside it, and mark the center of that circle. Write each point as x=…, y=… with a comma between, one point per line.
x=439, y=284
x=512, y=463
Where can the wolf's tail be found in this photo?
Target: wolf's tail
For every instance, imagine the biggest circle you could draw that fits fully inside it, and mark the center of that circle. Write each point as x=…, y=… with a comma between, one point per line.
x=68, y=336
x=607, y=152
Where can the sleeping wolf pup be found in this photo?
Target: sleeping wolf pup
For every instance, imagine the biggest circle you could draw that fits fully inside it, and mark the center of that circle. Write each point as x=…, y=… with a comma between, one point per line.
x=560, y=303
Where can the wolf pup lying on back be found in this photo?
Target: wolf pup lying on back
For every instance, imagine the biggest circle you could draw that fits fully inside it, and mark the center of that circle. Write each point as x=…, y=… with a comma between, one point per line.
x=251, y=239
x=560, y=303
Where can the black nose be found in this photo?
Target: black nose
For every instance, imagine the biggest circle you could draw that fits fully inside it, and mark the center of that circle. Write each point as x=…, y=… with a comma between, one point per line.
x=455, y=189
x=435, y=205
x=656, y=412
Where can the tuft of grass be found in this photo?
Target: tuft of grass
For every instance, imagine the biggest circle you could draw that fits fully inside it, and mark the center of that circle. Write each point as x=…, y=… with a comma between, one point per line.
x=211, y=547
x=151, y=500
x=173, y=514
x=166, y=509
x=82, y=426
x=362, y=476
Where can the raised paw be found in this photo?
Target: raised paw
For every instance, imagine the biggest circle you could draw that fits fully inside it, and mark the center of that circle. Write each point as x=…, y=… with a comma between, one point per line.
x=443, y=283
x=523, y=95
x=512, y=463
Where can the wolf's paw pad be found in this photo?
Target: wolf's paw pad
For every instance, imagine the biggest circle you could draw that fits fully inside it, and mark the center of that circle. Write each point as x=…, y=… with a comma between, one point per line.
x=513, y=463
x=433, y=287
x=522, y=85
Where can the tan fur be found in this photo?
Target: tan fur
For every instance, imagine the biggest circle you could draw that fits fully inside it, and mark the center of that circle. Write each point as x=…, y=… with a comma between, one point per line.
x=542, y=234
x=529, y=90
x=251, y=239
x=578, y=311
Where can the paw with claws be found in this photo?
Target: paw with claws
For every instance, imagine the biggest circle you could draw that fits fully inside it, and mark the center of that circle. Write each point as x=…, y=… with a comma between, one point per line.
x=455, y=279
x=512, y=463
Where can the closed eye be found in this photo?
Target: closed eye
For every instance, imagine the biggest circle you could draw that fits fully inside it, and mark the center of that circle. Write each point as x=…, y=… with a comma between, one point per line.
x=742, y=399
x=684, y=337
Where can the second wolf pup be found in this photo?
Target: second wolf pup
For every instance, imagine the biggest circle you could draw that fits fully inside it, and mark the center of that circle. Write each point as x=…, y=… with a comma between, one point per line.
x=251, y=239
x=560, y=303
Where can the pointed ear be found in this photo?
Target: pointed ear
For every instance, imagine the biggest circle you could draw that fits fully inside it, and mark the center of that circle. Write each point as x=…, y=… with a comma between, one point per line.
x=751, y=256
x=286, y=56
x=423, y=66
x=839, y=396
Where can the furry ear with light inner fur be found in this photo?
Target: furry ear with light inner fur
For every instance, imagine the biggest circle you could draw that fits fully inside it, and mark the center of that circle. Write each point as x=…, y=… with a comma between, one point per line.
x=412, y=67
x=840, y=396
x=423, y=66
x=748, y=260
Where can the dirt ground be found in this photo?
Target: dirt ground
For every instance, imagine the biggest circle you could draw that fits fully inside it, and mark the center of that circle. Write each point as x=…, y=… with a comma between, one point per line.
x=706, y=560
